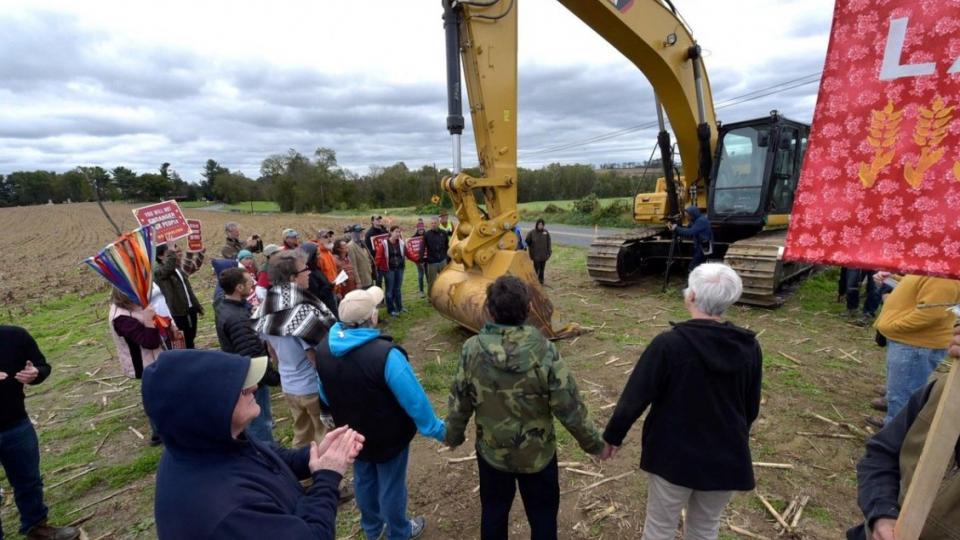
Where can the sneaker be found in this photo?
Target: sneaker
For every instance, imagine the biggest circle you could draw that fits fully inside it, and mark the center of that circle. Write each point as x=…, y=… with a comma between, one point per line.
x=423, y=294
x=417, y=525
x=875, y=421
x=879, y=404
x=880, y=390
x=42, y=531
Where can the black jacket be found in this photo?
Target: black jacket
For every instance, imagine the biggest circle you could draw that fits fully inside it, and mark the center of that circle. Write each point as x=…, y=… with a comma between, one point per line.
x=235, y=329
x=212, y=486
x=168, y=278
x=539, y=245
x=433, y=249
x=358, y=394
x=702, y=382
x=318, y=283
x=16, y=347
x=237, y=336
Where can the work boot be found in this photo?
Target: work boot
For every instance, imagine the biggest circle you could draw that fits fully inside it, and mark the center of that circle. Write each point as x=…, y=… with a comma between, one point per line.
x=417, y=525
x=875, y=421
x=879, y=404
x=880, y=390
x=42, y=531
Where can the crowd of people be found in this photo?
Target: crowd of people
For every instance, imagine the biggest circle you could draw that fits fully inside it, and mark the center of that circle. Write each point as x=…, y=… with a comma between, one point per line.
x=306, y=319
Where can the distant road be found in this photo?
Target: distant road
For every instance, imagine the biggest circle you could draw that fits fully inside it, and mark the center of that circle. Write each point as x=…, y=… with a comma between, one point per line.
x=568, y=235
x=571, y=235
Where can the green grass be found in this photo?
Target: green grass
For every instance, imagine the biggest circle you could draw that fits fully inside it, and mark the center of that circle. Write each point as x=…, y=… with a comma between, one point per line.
x=254, y=206
x=194, y=204
x=819, y=292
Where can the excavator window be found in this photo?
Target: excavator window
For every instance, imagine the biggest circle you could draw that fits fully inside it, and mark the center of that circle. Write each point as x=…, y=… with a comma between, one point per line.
x=786, y=172
x=739, y=183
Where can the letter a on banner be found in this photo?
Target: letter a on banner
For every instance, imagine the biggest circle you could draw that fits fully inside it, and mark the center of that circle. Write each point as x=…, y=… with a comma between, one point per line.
x=880, y=187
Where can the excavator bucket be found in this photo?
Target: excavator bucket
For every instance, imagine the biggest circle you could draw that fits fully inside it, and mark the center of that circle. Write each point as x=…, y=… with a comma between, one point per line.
x=460, y=294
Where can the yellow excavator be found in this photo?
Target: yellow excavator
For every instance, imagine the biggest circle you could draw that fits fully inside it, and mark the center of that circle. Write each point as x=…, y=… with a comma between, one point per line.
x=743, y=174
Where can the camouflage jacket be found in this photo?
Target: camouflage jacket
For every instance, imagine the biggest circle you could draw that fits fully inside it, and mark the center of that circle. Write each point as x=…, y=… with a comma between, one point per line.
x=516, y=382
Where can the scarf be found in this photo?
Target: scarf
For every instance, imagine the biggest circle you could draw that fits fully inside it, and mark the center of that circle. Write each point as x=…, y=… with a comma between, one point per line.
x=289, y=310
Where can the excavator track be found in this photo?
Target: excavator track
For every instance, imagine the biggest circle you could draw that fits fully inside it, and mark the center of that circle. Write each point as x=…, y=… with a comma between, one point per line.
x=759, y=262
x=604, y=260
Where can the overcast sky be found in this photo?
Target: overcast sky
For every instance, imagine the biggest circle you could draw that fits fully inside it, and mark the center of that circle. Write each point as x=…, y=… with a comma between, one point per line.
x=138, y=83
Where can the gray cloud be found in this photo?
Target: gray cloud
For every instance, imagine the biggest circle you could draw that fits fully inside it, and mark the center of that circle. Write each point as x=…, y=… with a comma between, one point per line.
x=76, y=96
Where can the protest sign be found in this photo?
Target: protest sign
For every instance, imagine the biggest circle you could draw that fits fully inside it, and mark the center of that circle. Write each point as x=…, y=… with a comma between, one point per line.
x=195, y=238
x=167, y=220
x=413, y=248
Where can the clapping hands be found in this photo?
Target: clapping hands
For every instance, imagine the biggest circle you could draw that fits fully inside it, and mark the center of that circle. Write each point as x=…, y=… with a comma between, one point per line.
x=337, y=450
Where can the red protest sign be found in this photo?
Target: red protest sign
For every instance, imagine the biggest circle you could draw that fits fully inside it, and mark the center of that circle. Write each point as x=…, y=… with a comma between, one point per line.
x=413, y=248
x=880, y=187
x=169, y=223
x=195, y=238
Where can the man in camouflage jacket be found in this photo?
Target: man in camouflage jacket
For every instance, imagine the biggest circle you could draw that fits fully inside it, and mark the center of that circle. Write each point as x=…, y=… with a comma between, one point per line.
x=516, y=382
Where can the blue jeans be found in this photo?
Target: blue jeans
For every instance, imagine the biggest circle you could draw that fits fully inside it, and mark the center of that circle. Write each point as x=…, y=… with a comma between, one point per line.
x=20, y=457
x=421, y=275
x=381, y=492
x=394, y=284
x=908, y=369
x=854, y=278
x=261, y=428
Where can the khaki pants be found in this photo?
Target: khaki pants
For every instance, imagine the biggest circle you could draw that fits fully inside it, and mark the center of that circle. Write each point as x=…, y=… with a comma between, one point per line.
x=305, y=412
x=666, y=500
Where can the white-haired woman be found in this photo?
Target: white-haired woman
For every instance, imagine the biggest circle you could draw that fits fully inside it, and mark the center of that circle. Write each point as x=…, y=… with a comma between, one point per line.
x=701, y=380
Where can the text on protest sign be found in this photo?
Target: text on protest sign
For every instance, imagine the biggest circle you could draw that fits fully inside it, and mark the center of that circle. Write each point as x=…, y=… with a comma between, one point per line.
x=195, y=238
x=167, y=219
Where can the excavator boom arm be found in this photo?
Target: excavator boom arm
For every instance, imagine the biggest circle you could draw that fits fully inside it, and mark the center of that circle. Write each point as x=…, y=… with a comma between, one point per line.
x=483, y=246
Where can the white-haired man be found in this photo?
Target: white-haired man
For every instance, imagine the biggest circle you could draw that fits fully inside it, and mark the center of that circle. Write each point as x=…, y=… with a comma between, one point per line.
x=701, y=380
x=233, y=245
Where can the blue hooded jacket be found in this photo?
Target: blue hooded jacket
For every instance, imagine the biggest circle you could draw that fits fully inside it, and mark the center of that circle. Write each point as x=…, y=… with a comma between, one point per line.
x=699, y=230
x=399, y=376
x=210, y=485
x=219, y=265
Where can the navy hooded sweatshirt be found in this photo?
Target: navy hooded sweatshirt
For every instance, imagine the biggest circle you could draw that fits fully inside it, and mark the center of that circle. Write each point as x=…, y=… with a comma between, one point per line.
x=699, y=230
x=210, y=485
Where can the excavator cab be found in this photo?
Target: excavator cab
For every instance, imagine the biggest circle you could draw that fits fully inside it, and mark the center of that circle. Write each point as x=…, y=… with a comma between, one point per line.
x=755, y=175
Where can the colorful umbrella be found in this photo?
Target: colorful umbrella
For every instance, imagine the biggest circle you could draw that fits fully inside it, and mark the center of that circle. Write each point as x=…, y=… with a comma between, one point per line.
x=127, y=264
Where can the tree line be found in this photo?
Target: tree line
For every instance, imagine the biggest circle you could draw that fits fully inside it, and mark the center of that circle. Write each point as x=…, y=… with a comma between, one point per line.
x=300, y=183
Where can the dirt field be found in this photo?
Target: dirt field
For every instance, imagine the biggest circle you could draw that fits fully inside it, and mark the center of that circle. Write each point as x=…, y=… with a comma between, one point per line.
x=817, y=377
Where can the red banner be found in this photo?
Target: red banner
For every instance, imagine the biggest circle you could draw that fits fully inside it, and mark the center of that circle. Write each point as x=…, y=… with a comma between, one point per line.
x=880, y=187
x=169, y=223
x=195, y=238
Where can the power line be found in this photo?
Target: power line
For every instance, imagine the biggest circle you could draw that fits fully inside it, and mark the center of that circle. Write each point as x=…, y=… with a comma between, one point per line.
x=737, y=100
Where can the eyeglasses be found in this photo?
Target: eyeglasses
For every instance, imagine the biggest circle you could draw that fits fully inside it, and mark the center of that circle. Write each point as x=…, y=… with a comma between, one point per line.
x=302, y=271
